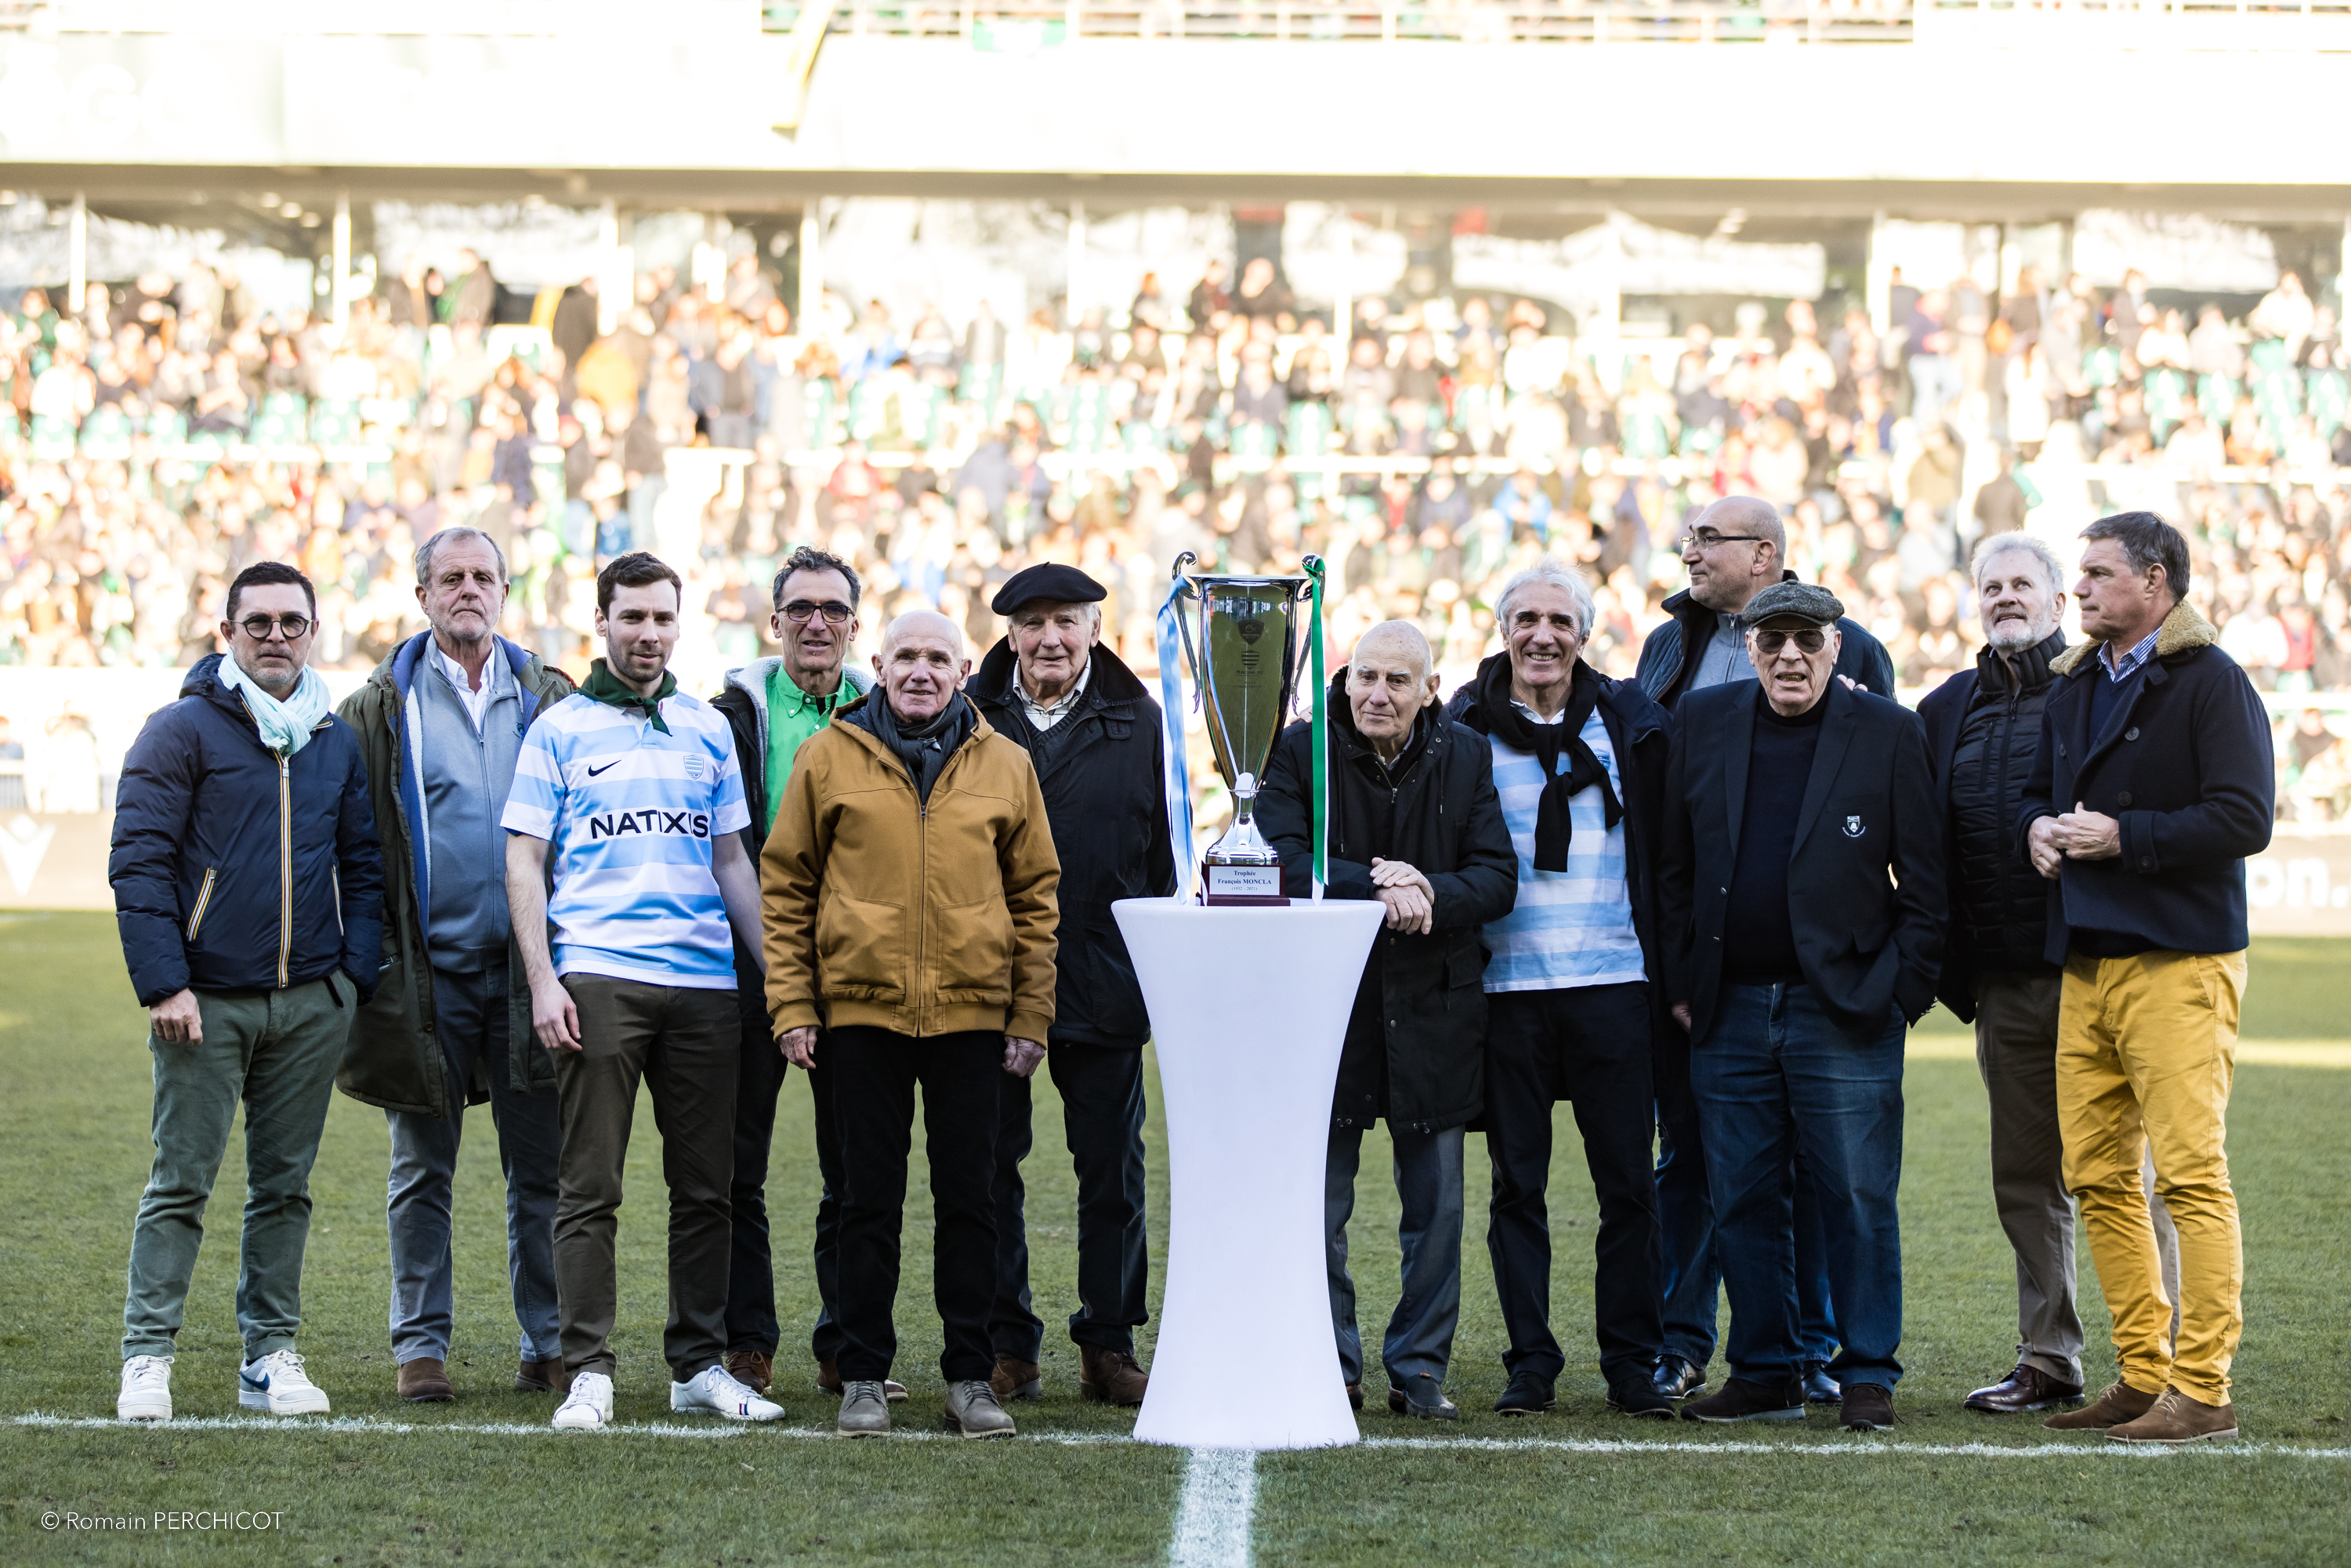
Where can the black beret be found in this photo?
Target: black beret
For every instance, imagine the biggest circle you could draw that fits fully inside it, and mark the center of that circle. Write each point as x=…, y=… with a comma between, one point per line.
x=1792, y=601
x=1052, y=582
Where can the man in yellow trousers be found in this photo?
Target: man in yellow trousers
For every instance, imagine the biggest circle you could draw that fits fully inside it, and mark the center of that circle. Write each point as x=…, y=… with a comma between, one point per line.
x=2153, y=783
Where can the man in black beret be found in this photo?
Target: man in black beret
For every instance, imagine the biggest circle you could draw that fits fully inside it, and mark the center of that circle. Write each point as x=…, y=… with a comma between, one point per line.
x=1812, y=807
x=1096, y=738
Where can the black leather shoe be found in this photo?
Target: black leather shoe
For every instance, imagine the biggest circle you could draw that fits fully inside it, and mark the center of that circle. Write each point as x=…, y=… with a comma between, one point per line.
x=1739, y=1400
x=1820, y=1388
x=1424, y=1400
x=1641, y=1399
x=1526, y=1395
x=1677, y=1378
x=1354, y=1396
x=1868, y=1408
x=2026, y=1389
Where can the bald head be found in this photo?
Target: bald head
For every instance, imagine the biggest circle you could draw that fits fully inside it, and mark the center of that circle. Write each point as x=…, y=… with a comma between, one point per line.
x=1389, y=681
x=921, y=664
x=1393, y=641
x=1734, y=548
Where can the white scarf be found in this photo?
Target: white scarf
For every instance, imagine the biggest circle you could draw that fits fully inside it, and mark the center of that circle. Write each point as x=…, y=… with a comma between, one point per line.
x=286, y=727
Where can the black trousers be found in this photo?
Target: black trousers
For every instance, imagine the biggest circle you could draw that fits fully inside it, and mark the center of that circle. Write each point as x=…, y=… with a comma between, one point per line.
x=1102, y=1116
x=751, y=1269
x=873, y=1073
x=1589, y=1045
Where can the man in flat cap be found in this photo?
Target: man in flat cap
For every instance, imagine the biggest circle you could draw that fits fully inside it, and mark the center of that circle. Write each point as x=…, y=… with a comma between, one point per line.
x=1095, y=737
x=1811, y=805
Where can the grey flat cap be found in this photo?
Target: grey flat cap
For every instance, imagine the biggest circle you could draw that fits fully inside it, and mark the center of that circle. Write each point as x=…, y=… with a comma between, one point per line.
x=1792, y=601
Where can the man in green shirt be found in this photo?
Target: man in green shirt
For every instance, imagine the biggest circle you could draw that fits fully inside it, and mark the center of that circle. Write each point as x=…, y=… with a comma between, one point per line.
x=774, y=703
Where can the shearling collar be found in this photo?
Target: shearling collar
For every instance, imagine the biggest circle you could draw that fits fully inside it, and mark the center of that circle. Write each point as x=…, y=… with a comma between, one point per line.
x=2182, y=632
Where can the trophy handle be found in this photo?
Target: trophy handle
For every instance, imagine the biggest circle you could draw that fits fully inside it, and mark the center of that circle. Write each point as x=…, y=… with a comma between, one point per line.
x=1183, y=625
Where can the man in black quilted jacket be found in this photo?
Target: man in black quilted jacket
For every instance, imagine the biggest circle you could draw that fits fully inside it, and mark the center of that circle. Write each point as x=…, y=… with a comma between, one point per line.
x=249, y=889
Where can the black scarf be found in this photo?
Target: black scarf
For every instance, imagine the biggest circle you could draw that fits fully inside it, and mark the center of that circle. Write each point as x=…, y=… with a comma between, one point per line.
x=1503, y=719
x=1992, y=678
x=923, y=747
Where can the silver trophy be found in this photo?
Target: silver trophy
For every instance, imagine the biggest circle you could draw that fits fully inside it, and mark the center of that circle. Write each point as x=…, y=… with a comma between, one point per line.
x=1245, y=664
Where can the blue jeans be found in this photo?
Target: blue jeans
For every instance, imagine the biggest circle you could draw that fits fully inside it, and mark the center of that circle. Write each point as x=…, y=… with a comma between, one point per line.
x=1428, y=1181
x=1776, y=1082
x=470, y=1017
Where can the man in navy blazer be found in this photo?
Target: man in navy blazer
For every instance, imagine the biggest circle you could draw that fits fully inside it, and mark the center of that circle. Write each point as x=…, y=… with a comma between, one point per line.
x=1812, y=808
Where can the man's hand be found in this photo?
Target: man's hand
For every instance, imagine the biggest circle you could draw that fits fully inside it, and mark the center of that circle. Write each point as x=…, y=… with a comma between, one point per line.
x=2088, y=835
x=1395, y=874
x=2047, y=844
x=1681, y=1015
x=798, y=1046
x=552, y=1016
x=1409, y=910
x=1021, y=1056
x=175, y=1020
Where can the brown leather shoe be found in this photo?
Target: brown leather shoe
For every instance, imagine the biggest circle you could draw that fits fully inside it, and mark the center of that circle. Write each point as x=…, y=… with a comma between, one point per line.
x=2176, y=1418
x=425, y=1381
x=1110, y=1376
x=1016, y=1380
x=751, y=1368
x=542, y=1377
x=2118, y=1404
x=1354, y=1396
x=2026, y=1389
x=828, y=1377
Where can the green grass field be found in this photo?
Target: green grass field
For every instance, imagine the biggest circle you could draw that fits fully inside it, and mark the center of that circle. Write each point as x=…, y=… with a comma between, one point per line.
x=482, y=1481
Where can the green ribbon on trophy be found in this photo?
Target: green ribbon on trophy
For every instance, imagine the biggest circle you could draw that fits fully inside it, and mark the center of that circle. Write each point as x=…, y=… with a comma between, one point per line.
x=1313, y=564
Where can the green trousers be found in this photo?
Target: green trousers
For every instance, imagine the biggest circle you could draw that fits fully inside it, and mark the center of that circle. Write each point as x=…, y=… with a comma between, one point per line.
x=276, y=1052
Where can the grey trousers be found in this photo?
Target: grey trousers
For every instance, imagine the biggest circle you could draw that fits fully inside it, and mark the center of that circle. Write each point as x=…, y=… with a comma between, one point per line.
x=1419, y=1339
x=2016, y=1050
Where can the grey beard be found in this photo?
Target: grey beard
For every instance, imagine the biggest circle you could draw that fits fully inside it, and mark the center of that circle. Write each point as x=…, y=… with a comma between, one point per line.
x=2014, y=637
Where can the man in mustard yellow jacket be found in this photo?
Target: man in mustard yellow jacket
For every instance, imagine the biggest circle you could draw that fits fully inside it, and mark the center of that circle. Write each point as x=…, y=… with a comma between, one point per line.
x=911, y=901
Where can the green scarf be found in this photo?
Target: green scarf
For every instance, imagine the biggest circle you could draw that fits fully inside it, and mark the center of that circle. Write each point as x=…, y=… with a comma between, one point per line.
x=608, y=688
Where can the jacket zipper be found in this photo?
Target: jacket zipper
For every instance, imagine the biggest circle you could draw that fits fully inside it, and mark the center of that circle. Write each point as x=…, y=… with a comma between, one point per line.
x=285, y=867
x=203, y=900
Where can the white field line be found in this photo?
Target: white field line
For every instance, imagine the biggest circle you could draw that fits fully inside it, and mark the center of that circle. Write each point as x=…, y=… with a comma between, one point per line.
x=370, y=1425
x=1218, y=1507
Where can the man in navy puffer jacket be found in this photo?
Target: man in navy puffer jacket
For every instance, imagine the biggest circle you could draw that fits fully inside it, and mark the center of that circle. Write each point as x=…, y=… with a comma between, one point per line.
x=249, y=889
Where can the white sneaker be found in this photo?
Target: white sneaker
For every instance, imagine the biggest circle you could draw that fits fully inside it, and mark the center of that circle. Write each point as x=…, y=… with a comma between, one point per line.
x=277, y=1384
x=589, y=1405
x=146, y=1389
x=716, y=1391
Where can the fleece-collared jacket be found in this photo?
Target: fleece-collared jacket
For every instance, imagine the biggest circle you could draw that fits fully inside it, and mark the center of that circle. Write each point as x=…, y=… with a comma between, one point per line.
x=395, y=1059
x=233, y=868
x=2184, y=764
x=920, y=917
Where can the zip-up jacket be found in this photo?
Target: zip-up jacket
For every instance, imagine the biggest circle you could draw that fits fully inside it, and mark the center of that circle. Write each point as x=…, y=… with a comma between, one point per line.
x=395, y=1059
x=235, y=870
x=1672, y=647
x=923, y=918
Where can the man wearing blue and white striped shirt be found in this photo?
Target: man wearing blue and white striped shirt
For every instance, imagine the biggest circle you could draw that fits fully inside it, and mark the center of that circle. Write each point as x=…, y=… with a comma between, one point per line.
x=1579, y=762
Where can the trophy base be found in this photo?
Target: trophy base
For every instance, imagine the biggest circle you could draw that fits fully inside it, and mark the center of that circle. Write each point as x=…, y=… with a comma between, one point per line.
x=1242, y=887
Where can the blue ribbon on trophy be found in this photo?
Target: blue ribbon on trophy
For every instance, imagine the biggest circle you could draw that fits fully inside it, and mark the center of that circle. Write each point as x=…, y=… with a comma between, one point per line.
x=1178, y=772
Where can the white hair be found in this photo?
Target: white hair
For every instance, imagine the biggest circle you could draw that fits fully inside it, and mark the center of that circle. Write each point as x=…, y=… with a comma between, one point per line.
x=1995, y=545
x=434, y=541
x=1579, y=592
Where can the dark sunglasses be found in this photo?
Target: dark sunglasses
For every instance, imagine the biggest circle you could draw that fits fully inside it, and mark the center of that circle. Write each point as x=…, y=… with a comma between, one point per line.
x=1810, y=641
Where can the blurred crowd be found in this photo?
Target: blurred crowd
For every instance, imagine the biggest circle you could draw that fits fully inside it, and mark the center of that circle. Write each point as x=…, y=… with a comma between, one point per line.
x=160, y=434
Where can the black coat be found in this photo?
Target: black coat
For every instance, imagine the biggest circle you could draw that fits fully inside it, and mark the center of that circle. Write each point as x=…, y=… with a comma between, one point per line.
x=233, y=872
x=2186, y=767
x=1865, y=880
x=1671, y=650
x=1982, y=742
x=1415, y=1051
x=1106, y=792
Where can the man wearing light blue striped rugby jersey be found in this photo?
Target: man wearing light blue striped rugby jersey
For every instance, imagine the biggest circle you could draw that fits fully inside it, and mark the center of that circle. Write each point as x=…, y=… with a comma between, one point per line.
x=630, y=794
x=1579, y=762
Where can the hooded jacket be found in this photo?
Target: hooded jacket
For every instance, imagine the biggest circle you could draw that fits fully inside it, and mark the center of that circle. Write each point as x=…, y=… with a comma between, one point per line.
x=1104, y=786
x=395, y=1059
x=2185, y=766
x=923, y=918
x=235, y=870
x=1415, y=1050
x=1672, y=649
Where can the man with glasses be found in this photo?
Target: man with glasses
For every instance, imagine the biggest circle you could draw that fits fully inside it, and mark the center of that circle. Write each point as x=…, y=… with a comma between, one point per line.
x=441, y=723
x=249, y=889
x=1732, y=549
x=1801, y=898
x=773, y=705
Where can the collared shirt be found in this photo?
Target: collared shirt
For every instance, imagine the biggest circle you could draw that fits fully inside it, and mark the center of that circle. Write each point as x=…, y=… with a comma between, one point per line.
x=1045, y=716
x=792, y=716
x=477, y=702
x=2122, y=668
x=1724, y=658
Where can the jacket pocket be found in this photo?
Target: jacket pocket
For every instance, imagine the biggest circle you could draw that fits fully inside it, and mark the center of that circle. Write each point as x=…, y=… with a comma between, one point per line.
x=203, y=901
x=1465, y=964
x=860, y=947
x=974, y=951
x=1870, y=935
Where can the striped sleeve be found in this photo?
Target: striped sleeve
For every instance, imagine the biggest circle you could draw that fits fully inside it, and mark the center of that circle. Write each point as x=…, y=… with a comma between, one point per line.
x=729, y=811
x=537, y=799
